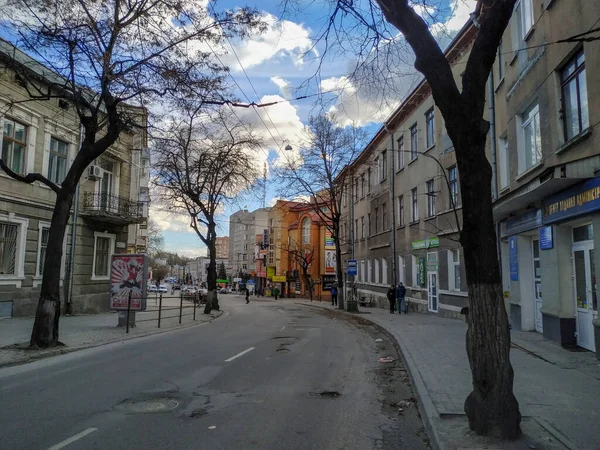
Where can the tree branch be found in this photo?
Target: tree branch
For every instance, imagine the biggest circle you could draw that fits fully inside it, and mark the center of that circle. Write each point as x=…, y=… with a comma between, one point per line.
x=30, y=178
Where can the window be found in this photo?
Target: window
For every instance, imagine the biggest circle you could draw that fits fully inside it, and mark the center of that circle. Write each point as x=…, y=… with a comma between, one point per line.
x=244, y=266
x=382, y=166
x=376, y=220
x=369, y=179
x=14, y=145
x=531, y=138
x=454, y=270
x=574, y=97
x=384, y=271
x=362, y=227
x=9, y=240
x=503, y=162
x=430, y=128
x=384, y=217
x=415, y=205
x=306, y=231
x=345, y=196
x=500, y=62
x=414, y=143
x=369, y=271
x=401, y=269
x=376, y=271
x=362, y=185
x=356, y=229
x=401, y=152
x=362, y=276
x=453, y=187
x=430, y=198
x=103, y=250
x=44, y=231
x=369, y=223
x=401, y=210
x=415, y=271
x=525, y=11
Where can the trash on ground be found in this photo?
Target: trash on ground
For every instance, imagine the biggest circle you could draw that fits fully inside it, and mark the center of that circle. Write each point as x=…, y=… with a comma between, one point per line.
x=378, y=340
x=212, y=427
x=387, y=359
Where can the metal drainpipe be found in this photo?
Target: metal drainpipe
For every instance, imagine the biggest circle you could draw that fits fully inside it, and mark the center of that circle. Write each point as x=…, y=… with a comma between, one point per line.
x=492, y=111
x=69, y=305
x=393, y=187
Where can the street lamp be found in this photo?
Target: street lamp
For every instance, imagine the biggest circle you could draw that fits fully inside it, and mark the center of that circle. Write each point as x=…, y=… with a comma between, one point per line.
x=288, y=148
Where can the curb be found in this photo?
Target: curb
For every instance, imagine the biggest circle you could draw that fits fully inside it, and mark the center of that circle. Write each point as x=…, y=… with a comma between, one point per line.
x=65, y=350
x=427, y=409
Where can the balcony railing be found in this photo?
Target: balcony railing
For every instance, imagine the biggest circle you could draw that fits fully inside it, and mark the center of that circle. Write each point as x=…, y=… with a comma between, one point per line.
x=112, y=208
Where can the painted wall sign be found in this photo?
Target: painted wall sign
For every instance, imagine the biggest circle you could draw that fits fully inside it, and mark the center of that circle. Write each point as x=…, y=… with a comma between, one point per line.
x=575, y=201
x=422, y=272
x=426, y=243
x=513, y=258
x=279, y=279
x=270, y=271
x=546, y=241
x=527, y=221
x=128, y=276
x=352, y=267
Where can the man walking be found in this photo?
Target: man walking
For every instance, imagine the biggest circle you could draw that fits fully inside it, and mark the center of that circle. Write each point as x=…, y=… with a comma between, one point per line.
x=276, y=292
x=391, y=296
x=401, y=294
x=334, y=294
x=247, y=295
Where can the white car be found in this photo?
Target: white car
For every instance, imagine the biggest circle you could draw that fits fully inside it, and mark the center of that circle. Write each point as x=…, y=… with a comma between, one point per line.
x=152, y=288
x=162, y=288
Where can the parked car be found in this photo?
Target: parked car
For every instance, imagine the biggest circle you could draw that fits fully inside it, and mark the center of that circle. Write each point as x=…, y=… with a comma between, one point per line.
x=152, y=288
x=162, y=288
x=224, y=291
x=176, y=286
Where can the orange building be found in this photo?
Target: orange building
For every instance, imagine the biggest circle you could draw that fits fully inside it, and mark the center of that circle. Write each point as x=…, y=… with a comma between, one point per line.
x=299, y=242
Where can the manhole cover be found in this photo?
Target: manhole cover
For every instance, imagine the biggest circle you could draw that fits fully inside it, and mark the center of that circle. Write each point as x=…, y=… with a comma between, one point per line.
x=155, y=405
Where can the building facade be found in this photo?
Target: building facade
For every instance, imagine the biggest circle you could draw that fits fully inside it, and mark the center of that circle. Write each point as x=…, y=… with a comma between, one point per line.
x=199, y=266
x=243, y=228
x=222, y=247
x=548, y=157
x=43, y=136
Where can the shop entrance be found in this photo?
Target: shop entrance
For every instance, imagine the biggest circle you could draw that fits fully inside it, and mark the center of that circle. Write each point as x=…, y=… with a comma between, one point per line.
x=537, y=286
x=584, y=278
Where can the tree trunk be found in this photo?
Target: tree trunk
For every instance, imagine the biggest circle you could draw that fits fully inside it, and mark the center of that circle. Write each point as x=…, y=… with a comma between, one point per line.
x=491, y=407
x=212, y=302
x=45, y=327
x=307, y=284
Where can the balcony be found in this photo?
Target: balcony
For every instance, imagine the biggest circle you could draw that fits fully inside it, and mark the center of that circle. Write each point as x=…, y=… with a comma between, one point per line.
x=111, y=208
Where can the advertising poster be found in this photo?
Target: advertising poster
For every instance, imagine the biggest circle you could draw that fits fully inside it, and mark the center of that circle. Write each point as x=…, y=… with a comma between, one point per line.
x=330, y=258
x=128, y=275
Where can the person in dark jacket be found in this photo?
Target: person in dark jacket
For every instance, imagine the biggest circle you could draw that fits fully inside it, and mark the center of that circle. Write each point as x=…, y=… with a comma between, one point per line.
x=400, y=295
x=391, y=296
x=247, y=295
x=334, y=294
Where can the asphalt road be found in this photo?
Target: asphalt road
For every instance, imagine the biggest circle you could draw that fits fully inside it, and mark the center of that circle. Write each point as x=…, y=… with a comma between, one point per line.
x=265, y=375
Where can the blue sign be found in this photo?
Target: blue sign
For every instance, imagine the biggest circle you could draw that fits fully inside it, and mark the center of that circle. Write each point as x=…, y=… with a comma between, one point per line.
x=580, y=199
x=546, y=242
x=250, y=282
x=513, y=259
x=265, y=238
x=352, y=267
x=527, y=221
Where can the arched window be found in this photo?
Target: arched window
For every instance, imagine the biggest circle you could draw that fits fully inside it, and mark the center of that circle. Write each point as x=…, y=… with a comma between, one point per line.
x=306, y=231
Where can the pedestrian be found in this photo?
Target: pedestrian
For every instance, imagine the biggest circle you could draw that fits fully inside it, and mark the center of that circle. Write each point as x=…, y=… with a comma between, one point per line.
x=391, y=296
x=400, y=295
x=247, y=295
x=275, y=292
x=334, y=294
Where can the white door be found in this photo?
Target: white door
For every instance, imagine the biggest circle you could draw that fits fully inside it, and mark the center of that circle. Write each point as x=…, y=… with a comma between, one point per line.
x=432, y=291
x=585, y=292
x=537, y=286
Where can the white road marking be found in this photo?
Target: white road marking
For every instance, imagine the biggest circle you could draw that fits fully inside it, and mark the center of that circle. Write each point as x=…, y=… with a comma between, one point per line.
x=240, y=354
x=72, y=439
x=283, y=328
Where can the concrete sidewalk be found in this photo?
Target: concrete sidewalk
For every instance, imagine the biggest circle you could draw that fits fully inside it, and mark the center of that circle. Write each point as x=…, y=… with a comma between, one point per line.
x=558, y=390
x=78, y=332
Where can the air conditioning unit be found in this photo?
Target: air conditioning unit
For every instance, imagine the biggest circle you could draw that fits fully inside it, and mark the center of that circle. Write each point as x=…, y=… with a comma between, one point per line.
x=94, y=173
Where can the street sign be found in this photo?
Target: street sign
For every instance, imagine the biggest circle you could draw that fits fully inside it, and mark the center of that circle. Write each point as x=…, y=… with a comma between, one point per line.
x=352, y=267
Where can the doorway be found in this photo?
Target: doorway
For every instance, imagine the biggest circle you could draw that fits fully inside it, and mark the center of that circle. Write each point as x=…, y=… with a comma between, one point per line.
x=432, y=291
x=584, y=278
x=537, y=286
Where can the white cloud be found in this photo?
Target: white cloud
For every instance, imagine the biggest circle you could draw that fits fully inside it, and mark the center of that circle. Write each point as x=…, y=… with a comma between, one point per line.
x=460, y=13
x=284, y=86
x=169, y=221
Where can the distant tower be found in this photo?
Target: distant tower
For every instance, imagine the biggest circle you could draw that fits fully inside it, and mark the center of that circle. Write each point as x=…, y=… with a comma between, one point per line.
x=264, y=202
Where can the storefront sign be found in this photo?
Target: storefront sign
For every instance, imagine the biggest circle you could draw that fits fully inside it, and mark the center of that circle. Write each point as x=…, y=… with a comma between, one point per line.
x=352, y=267
x=279, y=278
x=513, y=259
x=265, y=238
x=298, y=288
x=546, y=242
x=328, y=281
x=426, y=243
x=128, y=278
x=270, y=272
x=581, y=199
x=422, y=272
x=527, y=221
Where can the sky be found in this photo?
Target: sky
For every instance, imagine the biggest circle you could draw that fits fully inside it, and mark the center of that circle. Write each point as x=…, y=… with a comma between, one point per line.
x=281, y=64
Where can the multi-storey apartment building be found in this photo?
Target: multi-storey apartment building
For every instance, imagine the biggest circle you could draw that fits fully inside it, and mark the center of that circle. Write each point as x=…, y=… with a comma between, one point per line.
x=222, y=247
x=43, y=136
x=547, y=112
x=402, y=214
x=198, y=267
x=243, y=228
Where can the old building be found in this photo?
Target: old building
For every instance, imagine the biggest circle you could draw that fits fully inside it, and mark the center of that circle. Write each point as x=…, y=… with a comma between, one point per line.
x=548, y=157
x=402, y=214
x=222, y=247
x=243, y=228
x=112, y=207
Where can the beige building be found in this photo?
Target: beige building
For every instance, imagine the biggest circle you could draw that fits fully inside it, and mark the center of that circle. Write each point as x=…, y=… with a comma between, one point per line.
x=547, y=145
x=222, y=246
x=43, y=136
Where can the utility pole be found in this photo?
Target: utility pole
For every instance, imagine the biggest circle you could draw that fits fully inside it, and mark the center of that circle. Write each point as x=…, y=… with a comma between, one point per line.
x=264, y=199
x=393, y=201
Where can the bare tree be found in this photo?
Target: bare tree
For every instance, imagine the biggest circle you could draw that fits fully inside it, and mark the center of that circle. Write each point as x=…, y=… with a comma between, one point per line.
x=203, y=161
x=317, y=175
x=96, y=56
x=156, y=240
x=491, y=407
x=303, y=256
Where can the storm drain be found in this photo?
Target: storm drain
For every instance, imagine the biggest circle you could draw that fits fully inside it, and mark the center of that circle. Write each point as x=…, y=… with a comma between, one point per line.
x=148, y=406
